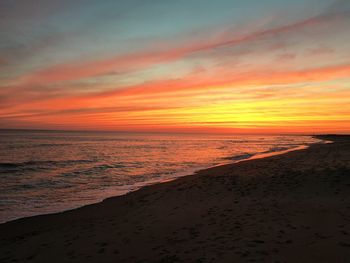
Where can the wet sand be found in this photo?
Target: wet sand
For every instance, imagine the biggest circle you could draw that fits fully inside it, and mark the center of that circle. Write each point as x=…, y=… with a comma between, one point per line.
x=293, y=207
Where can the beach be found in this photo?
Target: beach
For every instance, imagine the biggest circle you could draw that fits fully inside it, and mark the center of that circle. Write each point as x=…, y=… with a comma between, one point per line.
x=293, y=207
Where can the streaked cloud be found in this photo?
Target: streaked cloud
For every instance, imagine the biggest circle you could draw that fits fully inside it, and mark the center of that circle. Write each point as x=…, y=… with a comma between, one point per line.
x=233, y=73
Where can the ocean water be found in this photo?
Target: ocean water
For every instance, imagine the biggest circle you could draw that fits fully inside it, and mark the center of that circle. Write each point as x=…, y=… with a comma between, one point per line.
x=44, y=172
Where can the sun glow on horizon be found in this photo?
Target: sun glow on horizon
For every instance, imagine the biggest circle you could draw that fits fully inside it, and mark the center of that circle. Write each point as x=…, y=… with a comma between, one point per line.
x=256, y=73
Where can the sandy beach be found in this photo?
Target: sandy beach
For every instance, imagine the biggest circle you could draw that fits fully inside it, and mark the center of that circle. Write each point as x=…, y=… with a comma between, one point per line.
x=293, y=207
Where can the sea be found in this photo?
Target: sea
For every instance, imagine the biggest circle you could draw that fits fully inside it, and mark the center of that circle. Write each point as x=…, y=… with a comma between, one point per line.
x=52, y=171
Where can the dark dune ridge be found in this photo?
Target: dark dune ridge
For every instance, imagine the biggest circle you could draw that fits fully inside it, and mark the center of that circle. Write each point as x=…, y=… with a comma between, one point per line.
x=293, y=207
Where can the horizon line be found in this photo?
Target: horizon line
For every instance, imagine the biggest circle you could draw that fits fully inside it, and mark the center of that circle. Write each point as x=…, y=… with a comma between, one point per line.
x=169, y=132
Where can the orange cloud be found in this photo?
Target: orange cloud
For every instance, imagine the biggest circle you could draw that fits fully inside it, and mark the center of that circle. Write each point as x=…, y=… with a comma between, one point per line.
x=78, y=70
x=230, y=79
x=220, y=97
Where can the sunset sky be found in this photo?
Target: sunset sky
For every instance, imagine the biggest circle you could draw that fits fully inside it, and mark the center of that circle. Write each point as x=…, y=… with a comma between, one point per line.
x=182, y=66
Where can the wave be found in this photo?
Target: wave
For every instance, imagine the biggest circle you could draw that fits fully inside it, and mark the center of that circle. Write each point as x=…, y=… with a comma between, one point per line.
x=12, y=167
x=246, y=156
x=28, y=146
x=279, y=149
x=40, y=185
x=240, y=157
x=93, y=170
x=51, y=145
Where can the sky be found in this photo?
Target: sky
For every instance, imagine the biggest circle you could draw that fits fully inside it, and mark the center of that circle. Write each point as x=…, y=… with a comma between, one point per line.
x=176, y=66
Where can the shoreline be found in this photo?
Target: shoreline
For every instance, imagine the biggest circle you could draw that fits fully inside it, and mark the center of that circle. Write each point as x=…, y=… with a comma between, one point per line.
x=179, y=175
x=291, y=207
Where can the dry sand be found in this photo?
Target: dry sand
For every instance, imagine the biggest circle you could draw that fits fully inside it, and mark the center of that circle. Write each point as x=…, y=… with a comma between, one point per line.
x=293, y=207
